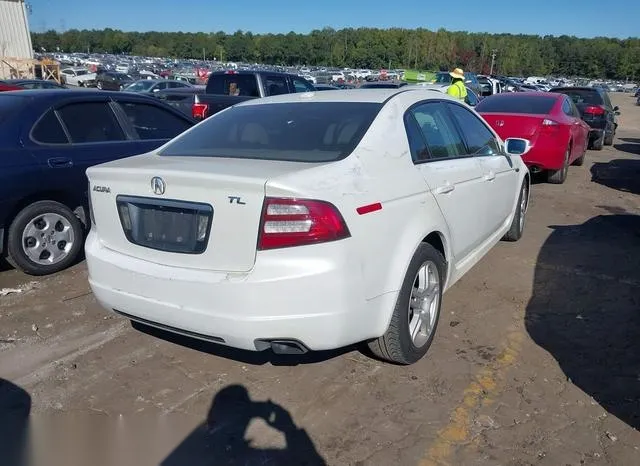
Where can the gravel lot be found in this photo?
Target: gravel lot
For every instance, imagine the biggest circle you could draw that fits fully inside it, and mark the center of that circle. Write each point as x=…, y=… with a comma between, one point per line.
x=536, y=361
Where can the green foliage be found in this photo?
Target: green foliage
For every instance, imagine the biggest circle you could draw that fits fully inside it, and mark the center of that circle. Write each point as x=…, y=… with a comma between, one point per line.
x=599, y=57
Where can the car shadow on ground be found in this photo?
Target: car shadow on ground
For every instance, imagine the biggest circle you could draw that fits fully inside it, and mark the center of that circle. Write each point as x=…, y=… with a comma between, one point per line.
x=257, y=358
x=15, y=407
x=629, y=145
x=221, y=438
x=585, y=309
x=620, y=174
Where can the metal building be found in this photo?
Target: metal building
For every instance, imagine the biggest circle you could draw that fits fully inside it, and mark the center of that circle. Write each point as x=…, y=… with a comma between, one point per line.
x=15, y=39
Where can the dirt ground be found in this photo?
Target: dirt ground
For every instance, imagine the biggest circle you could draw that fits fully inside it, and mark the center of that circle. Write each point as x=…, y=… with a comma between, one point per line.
x=536, y=361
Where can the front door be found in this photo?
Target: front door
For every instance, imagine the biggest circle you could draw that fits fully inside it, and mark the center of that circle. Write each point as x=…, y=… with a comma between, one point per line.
x=499, y=173
x=454, y=179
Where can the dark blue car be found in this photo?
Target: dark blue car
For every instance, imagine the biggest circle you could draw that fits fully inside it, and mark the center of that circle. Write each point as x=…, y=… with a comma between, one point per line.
x=48, y=139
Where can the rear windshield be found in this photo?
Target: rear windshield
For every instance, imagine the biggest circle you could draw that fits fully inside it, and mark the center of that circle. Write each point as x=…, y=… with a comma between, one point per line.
x=514, y=103
x=9, y=105
x=297, y=132
x=583, y=96
x=244, y=84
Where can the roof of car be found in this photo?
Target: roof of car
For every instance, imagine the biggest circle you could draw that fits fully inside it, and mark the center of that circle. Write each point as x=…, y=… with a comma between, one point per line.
x=347, y=95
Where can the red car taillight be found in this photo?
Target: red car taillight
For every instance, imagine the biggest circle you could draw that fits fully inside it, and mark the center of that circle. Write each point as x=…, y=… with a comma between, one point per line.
x=594, y=110
x=296, y=222
x=199, y=111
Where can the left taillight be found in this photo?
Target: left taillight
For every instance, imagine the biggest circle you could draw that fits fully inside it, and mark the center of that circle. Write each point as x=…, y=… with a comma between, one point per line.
x=289, y=222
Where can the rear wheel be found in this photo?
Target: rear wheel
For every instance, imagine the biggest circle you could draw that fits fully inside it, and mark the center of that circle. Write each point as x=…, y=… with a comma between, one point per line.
x=417, y=311
x=608, y=139
x=559, y=176
x=598, y=143
x=44, y=238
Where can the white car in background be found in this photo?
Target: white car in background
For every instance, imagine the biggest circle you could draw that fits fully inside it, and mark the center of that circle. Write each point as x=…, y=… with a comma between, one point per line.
x=79, y=77
x=307, y=221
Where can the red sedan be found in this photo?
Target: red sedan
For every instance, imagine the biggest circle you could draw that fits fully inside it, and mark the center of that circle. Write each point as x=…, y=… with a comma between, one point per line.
x=550, y=122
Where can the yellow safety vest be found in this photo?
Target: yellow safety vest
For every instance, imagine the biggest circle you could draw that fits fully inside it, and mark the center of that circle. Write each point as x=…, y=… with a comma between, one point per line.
x=457, y=90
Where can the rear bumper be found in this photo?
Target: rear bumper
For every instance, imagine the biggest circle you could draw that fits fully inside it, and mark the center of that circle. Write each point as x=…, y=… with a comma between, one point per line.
x=314, y=296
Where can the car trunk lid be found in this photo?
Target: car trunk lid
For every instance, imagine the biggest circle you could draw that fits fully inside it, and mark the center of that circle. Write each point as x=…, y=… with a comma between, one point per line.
x=515, y=125
x=196, y=212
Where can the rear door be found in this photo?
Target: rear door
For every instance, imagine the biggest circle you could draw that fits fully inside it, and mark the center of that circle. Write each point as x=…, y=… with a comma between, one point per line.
x=454, y=178
x=499, y=173
x=94, y=136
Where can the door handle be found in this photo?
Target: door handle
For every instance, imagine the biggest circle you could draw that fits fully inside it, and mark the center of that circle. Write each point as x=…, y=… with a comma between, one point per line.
x=447, y=188
x=60, y=162
x=489, y=176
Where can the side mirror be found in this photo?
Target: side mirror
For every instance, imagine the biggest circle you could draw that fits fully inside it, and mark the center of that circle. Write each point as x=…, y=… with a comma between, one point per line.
x=517, y=146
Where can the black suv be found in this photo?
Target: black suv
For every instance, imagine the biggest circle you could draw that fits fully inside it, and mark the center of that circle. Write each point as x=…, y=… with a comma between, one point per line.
x=596, y=110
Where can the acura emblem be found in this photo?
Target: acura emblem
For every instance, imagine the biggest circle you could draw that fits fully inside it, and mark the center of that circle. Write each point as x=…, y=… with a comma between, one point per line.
x=158, y=185
x=499, y=123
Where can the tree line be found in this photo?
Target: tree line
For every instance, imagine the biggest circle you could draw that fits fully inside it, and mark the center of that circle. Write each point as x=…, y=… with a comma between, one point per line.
x=515, y=54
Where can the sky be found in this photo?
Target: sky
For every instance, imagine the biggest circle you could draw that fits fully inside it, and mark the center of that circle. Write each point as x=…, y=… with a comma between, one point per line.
x=582, y=18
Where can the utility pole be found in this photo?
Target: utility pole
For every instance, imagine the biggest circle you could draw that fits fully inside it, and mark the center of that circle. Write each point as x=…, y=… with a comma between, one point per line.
x=493, y=60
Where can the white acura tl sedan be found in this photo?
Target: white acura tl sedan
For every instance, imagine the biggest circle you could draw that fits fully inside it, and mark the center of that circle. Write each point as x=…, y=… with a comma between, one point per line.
x=307, y=221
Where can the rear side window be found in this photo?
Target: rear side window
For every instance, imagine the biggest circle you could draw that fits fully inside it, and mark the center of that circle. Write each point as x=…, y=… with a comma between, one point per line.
x=514, y=103
x=48, y=130
x=298, y=132
x=223, y=84
x=440, y=132
x=151, y=122
x=91, y=122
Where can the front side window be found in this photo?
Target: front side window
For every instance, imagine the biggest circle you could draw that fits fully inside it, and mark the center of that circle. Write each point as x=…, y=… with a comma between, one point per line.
x=91, y=122
x=299, y=132
x=302, y=85
x=151, y=122
x=443, y=139
x=480, y=141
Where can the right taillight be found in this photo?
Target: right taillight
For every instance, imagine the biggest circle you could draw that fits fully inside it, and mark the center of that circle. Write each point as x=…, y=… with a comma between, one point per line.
x=594, y=110
x=199, y=111
x=289, y=222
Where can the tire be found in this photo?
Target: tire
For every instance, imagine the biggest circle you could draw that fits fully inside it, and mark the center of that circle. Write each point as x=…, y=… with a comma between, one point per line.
x=608, y=139
x=598, y=143
x=80, y=84
x=397, y=345
x=99, y=85
x=560, y=176
x=519, y=219
x=63, y=238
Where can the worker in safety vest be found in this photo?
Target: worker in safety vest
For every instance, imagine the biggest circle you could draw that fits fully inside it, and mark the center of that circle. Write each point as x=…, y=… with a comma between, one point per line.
x=457, y=88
